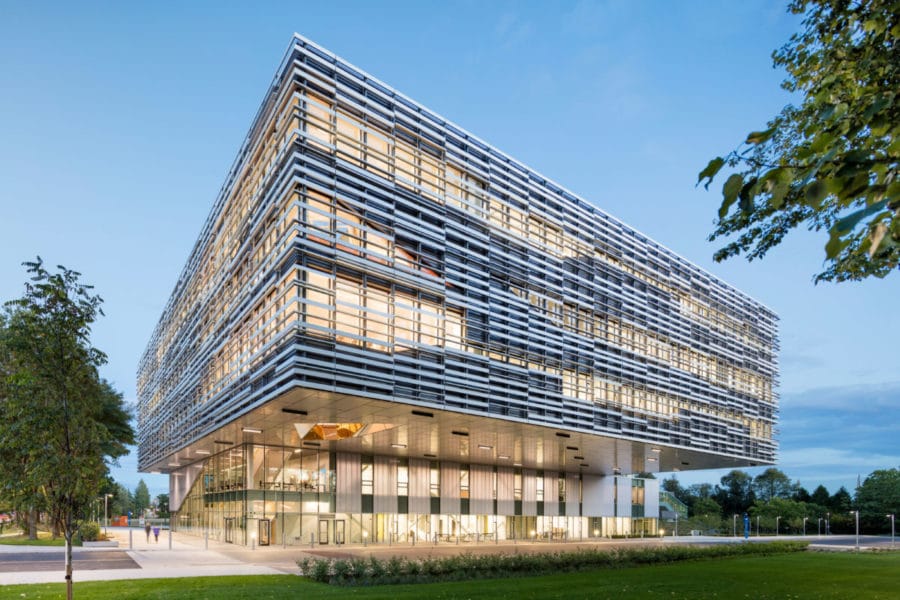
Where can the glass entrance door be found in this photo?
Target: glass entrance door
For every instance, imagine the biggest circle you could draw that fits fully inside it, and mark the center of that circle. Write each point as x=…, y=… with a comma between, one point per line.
x=323, y=531
x=339, y=531
x=229, y=530
x=265, y=528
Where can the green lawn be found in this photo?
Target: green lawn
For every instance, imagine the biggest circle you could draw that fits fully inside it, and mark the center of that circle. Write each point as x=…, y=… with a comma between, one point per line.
x=795, y=576
x=44, y=539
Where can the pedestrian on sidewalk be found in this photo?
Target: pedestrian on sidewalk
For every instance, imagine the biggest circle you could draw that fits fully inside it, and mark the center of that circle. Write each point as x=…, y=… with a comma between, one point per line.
x=147, y=531
x=155, y=534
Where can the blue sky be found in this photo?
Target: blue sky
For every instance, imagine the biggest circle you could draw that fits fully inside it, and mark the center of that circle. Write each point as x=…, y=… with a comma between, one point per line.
x=118, y=122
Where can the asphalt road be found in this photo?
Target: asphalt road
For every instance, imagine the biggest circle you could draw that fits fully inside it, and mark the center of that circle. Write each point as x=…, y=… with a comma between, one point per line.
x=56, y=561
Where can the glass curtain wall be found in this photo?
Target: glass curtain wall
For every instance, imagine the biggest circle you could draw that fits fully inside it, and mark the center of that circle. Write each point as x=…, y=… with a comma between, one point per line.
x=270, y=495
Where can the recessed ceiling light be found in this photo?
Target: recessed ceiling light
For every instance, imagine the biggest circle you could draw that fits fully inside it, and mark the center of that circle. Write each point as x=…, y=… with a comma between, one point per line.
x=174, y=464
x=517, y=464
x=297, y=451
x=657, y=450
x=485, y=447
x=201, y=452
x=398, y=445
x=503, y=457
x=251, y=430
x=651, y=459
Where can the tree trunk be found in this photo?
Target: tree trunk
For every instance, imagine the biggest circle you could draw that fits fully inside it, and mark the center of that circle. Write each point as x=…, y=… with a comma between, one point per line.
x=32, y=524
x=68, y=534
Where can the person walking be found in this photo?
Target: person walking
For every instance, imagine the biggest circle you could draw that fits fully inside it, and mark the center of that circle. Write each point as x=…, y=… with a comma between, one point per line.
x=155, y=534
x=147, y=531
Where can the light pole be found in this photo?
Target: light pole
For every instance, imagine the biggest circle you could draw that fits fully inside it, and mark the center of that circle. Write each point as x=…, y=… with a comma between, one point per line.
x=676, y=523
x=757, y=525
x=856, y=513
x=804, y=525
x=819, y=530
x=891, y=517
x=827, y=519
x=776, y=525
x=106, y=498
x=734, y=525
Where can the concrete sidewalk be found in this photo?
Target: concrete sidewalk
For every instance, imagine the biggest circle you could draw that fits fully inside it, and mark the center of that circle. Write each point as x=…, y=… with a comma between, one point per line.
x=186, y=558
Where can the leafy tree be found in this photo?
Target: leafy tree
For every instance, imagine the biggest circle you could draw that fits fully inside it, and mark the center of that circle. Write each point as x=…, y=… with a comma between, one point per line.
x=821, y=496
x=735, y=492
x=121, y=502
x=162, y=506
x=878, y=496
x=841, y=502
x=675, y=488
x=772, y=483
x=790, y=511
x=141, y=498
x=801, y=494
x=55, y=439
x=701, y=490
x=706, y=506
x=833, y=162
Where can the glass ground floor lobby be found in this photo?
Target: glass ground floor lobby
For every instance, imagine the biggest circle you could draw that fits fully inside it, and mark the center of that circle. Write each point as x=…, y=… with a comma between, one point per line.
x=263, y=495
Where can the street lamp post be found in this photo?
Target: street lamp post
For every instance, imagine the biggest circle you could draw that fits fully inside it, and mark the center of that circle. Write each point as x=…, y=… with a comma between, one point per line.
x=734, y=526
x=819, y=530
x=676, y=523
x=777, y=519
x=106, y=498
x=891, y=517
x=757, y=525
x=856, y=513
x=804, y=525
x=827, y=519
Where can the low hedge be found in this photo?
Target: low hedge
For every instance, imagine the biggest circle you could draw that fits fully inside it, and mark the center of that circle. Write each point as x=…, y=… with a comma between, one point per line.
x=374, y=571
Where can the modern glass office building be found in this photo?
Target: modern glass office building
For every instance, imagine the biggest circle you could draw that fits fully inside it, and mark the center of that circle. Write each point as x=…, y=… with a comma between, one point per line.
x=388, y=330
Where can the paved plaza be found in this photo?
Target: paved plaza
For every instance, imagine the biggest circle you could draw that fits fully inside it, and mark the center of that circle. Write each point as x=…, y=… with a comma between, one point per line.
x=191, y=556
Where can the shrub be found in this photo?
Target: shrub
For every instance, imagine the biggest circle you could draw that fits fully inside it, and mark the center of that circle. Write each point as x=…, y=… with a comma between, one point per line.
x=306, y=565
x=359, y=571
x=321, y=571
x=89, y=531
